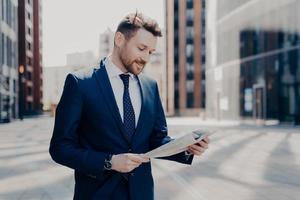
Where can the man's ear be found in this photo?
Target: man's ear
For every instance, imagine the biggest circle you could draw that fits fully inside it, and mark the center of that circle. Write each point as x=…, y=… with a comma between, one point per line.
x=119, y=39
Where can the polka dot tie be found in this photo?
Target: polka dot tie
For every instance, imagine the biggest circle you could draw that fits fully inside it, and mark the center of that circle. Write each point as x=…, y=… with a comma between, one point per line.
x=128, y=112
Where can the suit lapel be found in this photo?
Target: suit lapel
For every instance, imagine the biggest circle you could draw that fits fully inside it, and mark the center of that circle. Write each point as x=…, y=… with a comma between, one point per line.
x=107, y=92
x=142, y=116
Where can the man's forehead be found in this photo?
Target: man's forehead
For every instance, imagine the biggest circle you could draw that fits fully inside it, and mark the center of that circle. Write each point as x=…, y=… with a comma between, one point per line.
x=145, y=38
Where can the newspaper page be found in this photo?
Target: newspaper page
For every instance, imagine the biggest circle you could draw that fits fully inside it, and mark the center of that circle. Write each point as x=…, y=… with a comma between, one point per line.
x=180, y=144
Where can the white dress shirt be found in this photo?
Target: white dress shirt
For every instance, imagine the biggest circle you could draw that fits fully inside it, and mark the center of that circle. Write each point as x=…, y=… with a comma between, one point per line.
x=118, y=88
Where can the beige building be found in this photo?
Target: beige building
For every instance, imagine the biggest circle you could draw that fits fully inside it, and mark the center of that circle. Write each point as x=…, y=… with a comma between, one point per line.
x=54, y=77
x=185, y=24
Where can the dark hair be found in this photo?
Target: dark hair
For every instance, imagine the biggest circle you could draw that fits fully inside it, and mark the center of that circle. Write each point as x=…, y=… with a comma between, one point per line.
x=132, y=22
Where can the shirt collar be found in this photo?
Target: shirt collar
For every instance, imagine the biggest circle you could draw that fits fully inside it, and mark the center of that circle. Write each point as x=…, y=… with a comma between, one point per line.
x=114, y=71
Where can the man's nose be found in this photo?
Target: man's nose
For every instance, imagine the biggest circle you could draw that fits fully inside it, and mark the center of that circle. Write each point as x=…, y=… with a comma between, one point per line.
x=145, y=57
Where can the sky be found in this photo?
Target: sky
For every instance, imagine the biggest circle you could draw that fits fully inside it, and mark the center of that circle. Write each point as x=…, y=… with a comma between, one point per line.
x=70, y=26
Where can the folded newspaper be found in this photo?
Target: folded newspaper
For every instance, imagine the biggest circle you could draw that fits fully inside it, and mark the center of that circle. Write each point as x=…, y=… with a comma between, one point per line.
x=180, y=144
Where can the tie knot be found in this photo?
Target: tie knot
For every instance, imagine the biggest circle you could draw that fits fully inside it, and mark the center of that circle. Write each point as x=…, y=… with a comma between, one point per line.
x=125, y=79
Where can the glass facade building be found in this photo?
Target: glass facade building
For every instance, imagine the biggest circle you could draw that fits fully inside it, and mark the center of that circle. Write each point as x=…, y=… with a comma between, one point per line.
x=8, y=60
x=253, y=62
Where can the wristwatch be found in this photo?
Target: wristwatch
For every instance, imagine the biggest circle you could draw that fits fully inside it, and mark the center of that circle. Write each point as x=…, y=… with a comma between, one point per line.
x=107, y=162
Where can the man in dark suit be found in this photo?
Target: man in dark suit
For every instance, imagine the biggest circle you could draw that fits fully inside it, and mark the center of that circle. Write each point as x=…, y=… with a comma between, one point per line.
x=108, y=117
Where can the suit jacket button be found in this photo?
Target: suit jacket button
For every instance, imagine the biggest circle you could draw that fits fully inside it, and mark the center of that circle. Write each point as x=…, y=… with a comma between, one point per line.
x=129, y=150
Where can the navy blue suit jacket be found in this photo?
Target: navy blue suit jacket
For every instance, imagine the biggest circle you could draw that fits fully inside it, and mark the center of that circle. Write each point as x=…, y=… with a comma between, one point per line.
x=88, y=127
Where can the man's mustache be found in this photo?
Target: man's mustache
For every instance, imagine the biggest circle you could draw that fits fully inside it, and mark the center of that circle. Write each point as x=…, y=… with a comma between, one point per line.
x=141, y=62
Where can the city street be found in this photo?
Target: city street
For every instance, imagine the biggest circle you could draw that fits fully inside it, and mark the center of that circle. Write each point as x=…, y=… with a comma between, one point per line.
x=242, y=163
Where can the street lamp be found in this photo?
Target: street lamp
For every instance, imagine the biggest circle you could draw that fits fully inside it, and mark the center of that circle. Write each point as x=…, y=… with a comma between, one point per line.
x=21, y=97
x=21, y=69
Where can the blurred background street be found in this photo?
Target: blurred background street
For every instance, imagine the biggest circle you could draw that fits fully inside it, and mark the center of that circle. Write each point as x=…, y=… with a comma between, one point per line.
x=230, y=65
x=243, y=162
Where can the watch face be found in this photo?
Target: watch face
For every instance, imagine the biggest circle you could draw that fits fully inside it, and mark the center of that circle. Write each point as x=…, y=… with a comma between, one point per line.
x=108, y=164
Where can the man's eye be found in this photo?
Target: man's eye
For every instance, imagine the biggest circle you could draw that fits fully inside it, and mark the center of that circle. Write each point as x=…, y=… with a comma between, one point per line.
x=142, y=49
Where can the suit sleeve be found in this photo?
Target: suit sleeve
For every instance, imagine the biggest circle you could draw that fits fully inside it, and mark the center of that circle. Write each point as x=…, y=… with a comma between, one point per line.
x=64, y=146
x=160, y=136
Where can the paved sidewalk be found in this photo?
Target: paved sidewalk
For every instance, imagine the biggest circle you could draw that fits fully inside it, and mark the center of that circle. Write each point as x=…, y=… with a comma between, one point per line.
x=243, y=162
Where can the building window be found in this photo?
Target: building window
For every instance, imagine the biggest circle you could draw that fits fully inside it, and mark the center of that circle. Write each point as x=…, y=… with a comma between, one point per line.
x=190, y=15
x=3, y=10
x=29, y=90
x=190, y=86
x=14, y=54
x=190, y=68
x=7, y=86
x=29, y=106
x=28, y=45
x=2, y=50
x=9, y=51
x=189, y=3
x=29, y=61
x=190, y=100
x=15, y=86
x=189, y=32
x=7, y=11
x=189, y=50
x=29, y=76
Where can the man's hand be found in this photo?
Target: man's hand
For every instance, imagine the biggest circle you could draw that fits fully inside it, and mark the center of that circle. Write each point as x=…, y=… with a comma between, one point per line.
x=127, y=162
x=200, y=147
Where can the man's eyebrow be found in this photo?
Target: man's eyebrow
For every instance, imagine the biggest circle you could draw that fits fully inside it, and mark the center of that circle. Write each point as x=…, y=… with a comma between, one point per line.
x=143, y=45
x=147, y=47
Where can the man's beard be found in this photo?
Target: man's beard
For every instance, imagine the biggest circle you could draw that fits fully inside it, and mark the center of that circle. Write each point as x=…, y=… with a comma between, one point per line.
x=128, y=64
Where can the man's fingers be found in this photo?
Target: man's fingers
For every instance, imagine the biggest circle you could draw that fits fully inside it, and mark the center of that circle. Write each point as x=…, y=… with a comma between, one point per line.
x=130, y=165
x=203, y=144
x=138, y=158
x=206, y=139
x=197, y=148
x=195, y=152
x=133, y=158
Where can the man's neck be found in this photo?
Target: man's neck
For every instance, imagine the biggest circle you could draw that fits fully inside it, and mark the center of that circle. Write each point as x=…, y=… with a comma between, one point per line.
x=117, y=62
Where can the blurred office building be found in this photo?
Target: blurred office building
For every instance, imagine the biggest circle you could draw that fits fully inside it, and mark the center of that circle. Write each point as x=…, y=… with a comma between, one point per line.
x=8, y=60
x=106, y=43
x=30, y=57
x=185, y=24
x=81, y=59
x=54, y=77
x=156, y=69
x=253, y=60
x=54, y=80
